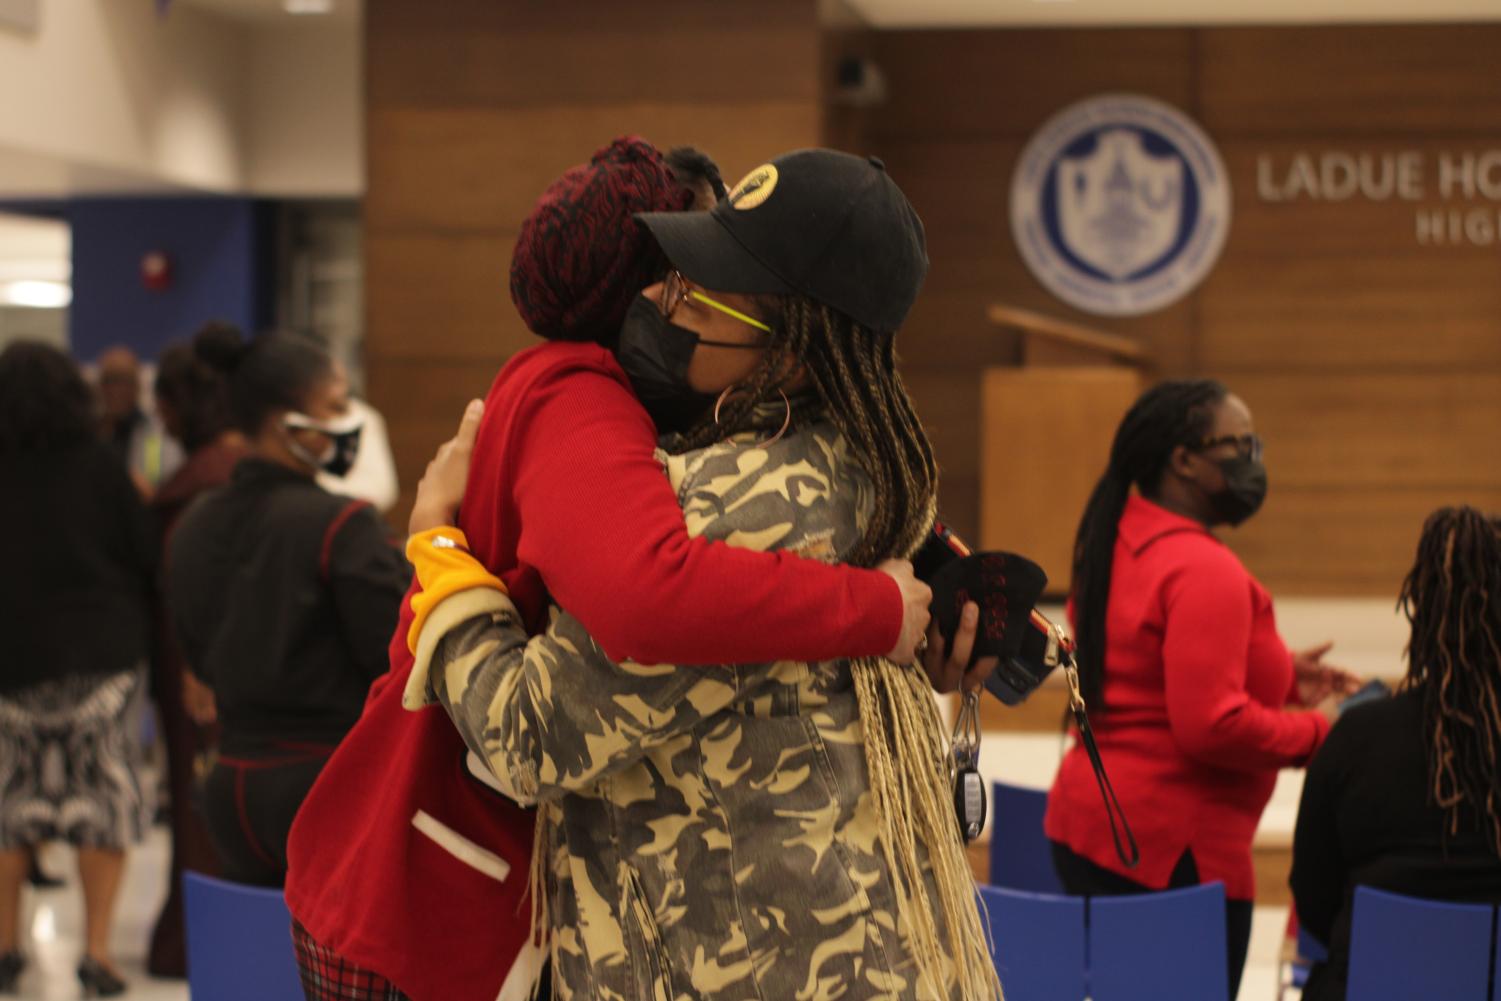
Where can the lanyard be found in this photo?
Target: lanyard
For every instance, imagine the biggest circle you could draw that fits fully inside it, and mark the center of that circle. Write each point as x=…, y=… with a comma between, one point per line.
x=1061, y=652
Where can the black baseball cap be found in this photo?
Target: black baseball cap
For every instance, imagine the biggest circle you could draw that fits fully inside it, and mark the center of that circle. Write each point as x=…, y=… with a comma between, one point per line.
x=814, y=222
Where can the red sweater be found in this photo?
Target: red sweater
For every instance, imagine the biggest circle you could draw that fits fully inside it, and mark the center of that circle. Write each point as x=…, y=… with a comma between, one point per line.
x=565, y=497
x=1194, y=728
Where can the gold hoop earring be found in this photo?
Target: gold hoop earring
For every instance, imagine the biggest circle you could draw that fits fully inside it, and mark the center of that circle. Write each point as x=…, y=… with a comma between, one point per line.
x=786, y=418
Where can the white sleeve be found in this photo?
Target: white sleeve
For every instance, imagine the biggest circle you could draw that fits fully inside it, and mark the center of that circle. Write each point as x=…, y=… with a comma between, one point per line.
x=373, y=477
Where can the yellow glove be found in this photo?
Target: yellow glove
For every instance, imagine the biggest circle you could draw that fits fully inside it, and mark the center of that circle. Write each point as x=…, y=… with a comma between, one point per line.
x=444, y=567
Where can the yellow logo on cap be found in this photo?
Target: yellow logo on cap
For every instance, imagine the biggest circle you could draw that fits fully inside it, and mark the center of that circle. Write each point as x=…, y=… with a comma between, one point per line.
x=754, y=188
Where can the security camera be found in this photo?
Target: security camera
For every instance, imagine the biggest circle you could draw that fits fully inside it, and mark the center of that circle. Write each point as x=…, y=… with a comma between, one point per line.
x=859, y=83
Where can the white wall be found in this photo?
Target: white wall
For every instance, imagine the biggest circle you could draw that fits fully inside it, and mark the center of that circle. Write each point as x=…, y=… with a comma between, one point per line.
x=306, y=116
x=107, y=96
x=106, y=84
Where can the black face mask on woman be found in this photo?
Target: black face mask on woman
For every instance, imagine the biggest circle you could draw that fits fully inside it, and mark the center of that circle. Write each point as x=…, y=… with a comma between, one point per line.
x=655, y=352
x=1245, y=489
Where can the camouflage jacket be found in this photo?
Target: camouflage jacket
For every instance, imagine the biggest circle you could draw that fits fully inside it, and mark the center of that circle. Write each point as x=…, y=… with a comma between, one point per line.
x=710, y=832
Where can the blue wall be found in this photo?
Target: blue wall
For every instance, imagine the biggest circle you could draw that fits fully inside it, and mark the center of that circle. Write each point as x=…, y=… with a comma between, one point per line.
x=221, y=250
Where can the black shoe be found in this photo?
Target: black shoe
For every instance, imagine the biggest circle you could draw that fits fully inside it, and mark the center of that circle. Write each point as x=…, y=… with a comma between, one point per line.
x=11, y=965
x=38, y=877
x=97, y=980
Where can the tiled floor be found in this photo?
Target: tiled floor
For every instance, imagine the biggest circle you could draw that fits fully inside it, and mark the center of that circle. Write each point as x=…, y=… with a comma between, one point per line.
x=55, y=921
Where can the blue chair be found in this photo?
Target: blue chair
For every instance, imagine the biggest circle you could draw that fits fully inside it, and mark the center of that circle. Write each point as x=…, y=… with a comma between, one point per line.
x=1403, y=948
x=1167, y=946
x=1309, y=951
x=239, y=942
x=1020, y=857
x=1496, y=952
x=1036, y=943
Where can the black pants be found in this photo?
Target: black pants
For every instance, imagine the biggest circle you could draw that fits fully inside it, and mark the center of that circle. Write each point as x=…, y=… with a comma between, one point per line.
x=249, y=805
x=1083, y=878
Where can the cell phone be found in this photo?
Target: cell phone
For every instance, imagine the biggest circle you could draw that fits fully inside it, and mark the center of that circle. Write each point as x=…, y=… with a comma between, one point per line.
x=1369, y=692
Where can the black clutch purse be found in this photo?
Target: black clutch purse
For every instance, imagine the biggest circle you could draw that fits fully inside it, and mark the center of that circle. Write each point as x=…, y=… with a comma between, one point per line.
x=1006, y=587
x=1029, y=647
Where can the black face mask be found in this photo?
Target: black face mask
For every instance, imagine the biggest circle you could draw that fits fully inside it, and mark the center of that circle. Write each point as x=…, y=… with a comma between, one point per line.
x=655, y=352
x=1245, y=489
x=343, y=436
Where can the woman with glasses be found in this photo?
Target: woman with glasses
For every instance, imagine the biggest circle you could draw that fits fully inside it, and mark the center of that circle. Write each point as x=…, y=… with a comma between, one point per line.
x=568, y=503
x=1196, y=701
x=769, y=830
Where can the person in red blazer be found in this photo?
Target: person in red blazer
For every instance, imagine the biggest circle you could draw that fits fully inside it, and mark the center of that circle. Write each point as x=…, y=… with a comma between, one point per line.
x=1196, y=701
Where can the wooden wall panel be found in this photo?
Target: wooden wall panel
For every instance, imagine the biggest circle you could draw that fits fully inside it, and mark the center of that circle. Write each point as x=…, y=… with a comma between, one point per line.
x=445, y=53
x=1370, y=432
x=963, y=84
x=445, y=295
x=1371, y=358
x=477, y=169
x=1350, y=80
x=1338, y=541
x=1044, y=438
x=1278, y=315
x=474, y=106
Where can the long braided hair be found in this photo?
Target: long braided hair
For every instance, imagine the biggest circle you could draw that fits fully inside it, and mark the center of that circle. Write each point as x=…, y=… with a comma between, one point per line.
x=856, y=387
x=1452, y=598
x=1172, y=413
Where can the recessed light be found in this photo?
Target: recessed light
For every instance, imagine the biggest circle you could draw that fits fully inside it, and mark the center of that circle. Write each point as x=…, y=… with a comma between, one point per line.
x=36, y=294
x=307, y=6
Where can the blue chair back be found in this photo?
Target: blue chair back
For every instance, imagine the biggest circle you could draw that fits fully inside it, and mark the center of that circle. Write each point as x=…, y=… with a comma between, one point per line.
x=1310, y=951
x=1036, y=943
x=1310, y=948
x=239, y=942
x=1020, y=857
x=1403, y=948
x=1167, y=946
x=1496, y=952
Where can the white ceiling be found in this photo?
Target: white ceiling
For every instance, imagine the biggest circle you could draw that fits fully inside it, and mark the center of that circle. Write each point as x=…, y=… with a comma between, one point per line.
x=273, y=11
x=1004, y=13
x=1012, y=13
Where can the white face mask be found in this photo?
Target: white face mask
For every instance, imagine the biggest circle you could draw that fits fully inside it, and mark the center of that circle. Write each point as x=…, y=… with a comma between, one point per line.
x=343, y=435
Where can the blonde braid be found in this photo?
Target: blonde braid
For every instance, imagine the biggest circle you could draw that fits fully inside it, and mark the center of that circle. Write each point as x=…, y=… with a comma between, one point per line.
x=905, y=756
x=540, y=932
x=854, y=373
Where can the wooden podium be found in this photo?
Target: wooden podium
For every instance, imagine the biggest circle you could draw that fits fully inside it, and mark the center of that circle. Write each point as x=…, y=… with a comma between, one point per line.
x=1045, y=434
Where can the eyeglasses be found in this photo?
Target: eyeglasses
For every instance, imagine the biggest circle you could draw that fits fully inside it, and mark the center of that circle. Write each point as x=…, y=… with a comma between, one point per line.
x=1248, y=445
x=676, y=290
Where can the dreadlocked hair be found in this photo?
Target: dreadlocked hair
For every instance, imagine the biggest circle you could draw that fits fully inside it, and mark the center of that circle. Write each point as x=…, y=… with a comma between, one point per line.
x=852, y=372
x=1452, y=598
x=1172, y=413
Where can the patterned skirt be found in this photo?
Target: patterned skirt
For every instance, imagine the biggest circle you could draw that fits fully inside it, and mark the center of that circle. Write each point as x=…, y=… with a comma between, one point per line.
x=68, y=764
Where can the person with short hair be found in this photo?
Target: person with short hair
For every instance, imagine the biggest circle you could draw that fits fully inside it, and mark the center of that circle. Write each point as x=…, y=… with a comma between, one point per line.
x=282, y=596
x=75, y=611
x=1405, y=795
x=135, y=436
x=1195, y=701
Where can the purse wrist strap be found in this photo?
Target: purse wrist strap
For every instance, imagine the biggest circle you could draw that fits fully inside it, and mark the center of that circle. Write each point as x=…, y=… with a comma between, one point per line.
x=1113, y=809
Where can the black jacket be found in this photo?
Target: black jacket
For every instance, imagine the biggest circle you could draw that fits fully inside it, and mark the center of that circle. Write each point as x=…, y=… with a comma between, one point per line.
x=284, y=598
x=78, y=565
x=1367, y=819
